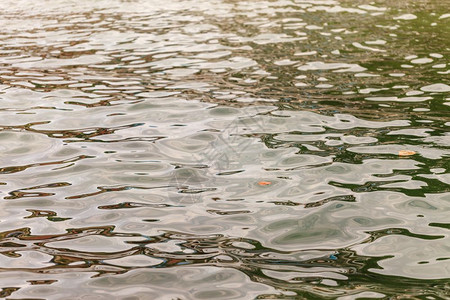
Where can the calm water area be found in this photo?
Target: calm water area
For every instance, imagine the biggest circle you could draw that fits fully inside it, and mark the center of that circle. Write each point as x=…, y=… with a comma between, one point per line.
x=224, y=149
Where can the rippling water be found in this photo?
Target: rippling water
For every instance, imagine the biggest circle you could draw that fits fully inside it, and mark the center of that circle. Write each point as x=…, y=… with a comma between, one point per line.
x=215, y=149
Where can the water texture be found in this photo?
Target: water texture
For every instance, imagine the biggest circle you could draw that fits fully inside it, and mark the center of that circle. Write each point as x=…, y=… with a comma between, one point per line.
x=213, y=149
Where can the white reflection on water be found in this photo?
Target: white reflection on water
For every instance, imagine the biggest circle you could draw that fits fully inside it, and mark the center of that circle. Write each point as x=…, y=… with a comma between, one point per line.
x=223, y=149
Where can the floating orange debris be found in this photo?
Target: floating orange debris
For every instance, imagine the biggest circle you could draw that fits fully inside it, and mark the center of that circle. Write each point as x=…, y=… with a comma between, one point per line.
x=264, y=182
x=406, y=152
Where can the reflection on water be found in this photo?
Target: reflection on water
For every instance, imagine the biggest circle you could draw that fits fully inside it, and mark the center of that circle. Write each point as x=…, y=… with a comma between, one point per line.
x=224, y=149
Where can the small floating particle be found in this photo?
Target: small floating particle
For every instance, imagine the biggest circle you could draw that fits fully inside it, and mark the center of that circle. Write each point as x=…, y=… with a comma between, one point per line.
x=264, y=183
x=406, y=152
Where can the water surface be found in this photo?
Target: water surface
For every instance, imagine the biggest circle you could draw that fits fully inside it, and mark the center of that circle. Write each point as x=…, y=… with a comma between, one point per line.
x=224, y=149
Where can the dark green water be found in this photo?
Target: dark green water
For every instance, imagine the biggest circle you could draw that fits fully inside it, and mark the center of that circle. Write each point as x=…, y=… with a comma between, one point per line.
x=216, y=149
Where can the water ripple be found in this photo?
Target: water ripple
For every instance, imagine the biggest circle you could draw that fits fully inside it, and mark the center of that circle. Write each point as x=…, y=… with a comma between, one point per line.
x=224, y=149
